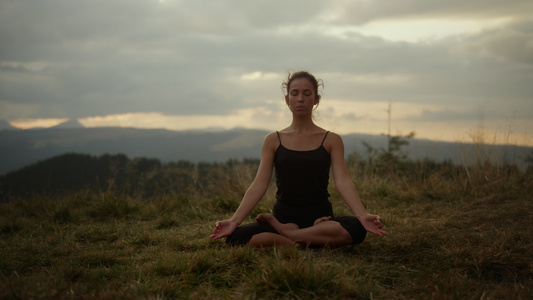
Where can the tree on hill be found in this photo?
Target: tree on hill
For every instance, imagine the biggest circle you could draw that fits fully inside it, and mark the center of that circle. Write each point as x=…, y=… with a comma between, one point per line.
x=120, y=175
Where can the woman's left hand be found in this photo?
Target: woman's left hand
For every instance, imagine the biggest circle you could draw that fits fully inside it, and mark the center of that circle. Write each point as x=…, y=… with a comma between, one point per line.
x=223, y=229
x=372, y=223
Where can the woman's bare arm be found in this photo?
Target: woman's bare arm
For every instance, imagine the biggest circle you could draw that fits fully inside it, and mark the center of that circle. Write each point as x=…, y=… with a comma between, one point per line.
x=346, y=188
x=254, y=193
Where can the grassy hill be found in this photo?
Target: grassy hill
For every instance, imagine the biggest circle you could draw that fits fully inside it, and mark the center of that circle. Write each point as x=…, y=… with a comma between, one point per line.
x=455, y=232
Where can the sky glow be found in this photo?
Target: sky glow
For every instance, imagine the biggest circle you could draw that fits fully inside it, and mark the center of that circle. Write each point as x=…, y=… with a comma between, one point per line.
x=448, y=68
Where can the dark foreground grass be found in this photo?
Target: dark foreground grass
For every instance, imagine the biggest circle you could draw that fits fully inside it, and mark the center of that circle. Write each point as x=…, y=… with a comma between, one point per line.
x=86, y=246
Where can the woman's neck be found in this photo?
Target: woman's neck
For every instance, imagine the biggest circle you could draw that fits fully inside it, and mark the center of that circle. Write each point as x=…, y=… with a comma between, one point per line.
x=302, y=125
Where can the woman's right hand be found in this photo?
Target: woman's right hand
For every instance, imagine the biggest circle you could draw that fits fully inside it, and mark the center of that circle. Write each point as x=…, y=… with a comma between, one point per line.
x=223, y=229
x=372, y=223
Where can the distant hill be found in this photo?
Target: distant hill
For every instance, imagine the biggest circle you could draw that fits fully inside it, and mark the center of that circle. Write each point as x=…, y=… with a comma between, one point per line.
x=69, y=124
x=5, y=125
x=24, y=147
x=19, y=148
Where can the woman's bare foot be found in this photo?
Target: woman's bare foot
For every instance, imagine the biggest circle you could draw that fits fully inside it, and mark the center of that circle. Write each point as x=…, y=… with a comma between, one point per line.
x=283, y=229
x=320, y=220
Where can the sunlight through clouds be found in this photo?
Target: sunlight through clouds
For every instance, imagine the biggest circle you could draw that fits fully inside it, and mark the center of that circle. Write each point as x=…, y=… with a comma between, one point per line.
x=371, y=117
x=258, y=75
x=37, y=123
x=423, y=30
x=258, y=118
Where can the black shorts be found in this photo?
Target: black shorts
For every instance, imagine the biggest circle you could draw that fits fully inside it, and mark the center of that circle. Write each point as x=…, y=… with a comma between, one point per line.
x=243, y=234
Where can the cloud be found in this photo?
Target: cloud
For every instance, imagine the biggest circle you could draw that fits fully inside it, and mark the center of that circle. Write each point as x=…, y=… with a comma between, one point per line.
x=513, y=42
x=217, y=59
x=361, y=12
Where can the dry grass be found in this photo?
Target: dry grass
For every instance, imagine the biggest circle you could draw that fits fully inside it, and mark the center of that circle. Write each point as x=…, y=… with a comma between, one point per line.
x=455, y=233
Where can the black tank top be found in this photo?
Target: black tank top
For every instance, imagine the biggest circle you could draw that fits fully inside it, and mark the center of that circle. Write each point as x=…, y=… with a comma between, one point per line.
x=302, y=176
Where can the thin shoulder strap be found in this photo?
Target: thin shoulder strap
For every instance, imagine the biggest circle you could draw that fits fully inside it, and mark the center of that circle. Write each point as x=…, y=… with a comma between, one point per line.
x=325, y=136
x=279, y=138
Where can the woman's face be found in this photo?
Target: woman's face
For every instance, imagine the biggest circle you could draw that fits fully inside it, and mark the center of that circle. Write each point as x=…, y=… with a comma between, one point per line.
x=301, y=97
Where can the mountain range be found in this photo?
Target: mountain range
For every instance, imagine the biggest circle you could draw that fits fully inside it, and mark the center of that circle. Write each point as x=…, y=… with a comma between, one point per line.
x=20, y=148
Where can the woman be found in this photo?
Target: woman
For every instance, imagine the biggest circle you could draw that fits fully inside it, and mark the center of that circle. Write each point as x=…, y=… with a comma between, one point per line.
x=302, y=155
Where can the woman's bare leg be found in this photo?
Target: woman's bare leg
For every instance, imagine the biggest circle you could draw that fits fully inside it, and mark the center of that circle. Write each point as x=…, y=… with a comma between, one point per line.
x=323, y=233
x=320, y=220
x=268, y=240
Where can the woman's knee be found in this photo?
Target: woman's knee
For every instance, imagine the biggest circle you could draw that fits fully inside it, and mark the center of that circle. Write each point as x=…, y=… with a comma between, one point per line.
x=243, y=234
x=353, y=227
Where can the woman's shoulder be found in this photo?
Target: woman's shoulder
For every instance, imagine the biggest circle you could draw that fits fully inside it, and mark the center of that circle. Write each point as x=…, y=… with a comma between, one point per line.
x=271, y=136
x=333, y=141
x=334, y=137
x=271, y=140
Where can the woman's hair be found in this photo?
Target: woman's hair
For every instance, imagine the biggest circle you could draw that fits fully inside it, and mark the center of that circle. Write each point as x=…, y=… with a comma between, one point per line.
x=286, y=85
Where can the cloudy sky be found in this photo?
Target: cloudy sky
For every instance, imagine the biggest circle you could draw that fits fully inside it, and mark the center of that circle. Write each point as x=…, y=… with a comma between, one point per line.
x=451, y=70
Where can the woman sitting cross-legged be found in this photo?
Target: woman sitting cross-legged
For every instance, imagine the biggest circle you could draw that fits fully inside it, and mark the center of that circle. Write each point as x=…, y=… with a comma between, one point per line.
x=302, y=155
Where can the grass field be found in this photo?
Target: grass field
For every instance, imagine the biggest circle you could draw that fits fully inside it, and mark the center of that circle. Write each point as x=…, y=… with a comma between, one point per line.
x=463, y=235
